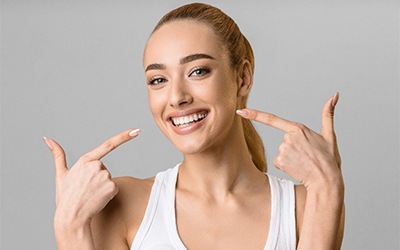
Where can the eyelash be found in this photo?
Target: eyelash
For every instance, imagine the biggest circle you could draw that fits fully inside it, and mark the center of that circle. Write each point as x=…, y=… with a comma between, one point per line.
x=204, y=70
x=159, y=80
x=154, y=80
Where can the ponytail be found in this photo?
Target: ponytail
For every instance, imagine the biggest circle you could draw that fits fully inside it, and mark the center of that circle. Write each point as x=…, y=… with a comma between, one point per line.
x=253, y=139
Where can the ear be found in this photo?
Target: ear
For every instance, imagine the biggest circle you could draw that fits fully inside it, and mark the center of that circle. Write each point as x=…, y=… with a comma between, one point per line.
x=245, y=78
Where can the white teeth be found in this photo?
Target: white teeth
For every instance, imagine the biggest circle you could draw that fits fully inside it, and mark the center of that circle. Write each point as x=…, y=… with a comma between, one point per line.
x=186, y=120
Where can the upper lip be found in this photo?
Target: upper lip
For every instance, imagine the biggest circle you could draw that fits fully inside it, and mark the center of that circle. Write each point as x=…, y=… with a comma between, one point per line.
x=181, y=113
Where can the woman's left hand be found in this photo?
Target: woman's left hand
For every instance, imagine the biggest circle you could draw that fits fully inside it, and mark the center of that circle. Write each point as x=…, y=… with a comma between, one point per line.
x=311, y=158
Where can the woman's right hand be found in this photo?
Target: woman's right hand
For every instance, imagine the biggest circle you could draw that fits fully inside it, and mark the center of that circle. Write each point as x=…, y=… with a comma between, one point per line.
x=85, y=189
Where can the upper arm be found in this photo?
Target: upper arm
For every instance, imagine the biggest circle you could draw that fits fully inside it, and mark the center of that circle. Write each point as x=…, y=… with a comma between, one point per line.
x=301, y=196
x=116, y=225
x=341, y=229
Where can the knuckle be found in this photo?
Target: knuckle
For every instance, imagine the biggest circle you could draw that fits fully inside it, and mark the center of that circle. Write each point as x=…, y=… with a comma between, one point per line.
x=109, y=146
x=271, y=118
x=94, y=167
x=107, y=174
x=278, y=161
x=122, y=137
x=282, y=148
x=104, y=175
x=112, y=187
x=298, y=127
x=57, y=155
x=98, y=166
x=287, y=138
x=253, y=115
x=84, y=158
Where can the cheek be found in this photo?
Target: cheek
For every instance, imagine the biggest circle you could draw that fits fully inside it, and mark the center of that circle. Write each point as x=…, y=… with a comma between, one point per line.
x=156, y=103
x=227, y=93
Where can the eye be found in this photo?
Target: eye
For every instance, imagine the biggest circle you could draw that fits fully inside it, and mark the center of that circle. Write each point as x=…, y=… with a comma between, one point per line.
x=200, y=71
x=156, y=81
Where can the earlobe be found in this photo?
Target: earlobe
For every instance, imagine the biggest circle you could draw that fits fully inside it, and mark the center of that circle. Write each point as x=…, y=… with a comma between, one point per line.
x=245, y=78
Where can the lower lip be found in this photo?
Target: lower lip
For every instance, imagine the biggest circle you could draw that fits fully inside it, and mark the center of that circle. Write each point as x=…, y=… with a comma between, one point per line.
x=187, y=129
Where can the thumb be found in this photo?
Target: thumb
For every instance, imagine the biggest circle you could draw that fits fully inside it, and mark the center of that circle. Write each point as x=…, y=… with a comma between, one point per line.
x=327, y=130
x=58, y=155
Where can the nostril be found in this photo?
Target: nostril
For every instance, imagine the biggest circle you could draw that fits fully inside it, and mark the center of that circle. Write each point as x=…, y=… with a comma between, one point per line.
x=180, y=94
x=182, y=100
x=183, y=103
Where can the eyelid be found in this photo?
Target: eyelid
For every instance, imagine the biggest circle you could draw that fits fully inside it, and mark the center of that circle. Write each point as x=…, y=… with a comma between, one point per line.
x=204, y=68
x=153, y=78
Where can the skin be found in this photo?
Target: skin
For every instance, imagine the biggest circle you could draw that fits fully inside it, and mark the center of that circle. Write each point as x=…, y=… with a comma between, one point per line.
x=217, y=179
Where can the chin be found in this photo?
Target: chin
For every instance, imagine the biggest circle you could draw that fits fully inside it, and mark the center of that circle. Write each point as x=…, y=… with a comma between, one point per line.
x=189, y=146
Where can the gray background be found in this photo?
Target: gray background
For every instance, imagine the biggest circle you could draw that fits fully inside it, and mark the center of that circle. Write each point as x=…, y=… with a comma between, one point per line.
x=71, y=70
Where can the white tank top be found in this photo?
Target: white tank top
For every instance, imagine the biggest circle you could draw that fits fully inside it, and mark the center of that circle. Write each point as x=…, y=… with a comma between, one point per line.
x=158, y=229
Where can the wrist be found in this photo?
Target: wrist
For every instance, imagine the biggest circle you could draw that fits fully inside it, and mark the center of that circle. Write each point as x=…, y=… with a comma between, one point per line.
x=67, y=222
x=329, y=199
x=72, y=233
x=332, y=185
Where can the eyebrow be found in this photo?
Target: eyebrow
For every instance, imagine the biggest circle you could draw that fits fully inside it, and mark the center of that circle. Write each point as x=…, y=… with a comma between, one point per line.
x=194, y=57
x=184, y=60
x=155, y=66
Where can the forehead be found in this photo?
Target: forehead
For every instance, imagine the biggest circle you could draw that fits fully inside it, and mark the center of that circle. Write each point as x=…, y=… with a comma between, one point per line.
x=178, y=39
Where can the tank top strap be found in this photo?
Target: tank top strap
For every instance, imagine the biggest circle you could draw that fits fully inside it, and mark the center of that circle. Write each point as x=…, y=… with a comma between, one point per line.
x=158, y=227
x=282, y=232
x=150, y=211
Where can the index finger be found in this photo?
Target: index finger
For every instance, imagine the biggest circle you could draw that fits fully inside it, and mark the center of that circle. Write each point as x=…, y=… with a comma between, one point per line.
x=266, y=118
x=111, y=144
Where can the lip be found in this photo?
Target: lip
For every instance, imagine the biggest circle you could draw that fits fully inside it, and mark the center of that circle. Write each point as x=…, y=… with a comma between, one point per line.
x=189, y=128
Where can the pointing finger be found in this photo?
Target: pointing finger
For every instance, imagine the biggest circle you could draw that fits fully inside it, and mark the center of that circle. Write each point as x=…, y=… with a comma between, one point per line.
x=327, y=129
x=111, y=144
x=58, y=155
x=266, y=118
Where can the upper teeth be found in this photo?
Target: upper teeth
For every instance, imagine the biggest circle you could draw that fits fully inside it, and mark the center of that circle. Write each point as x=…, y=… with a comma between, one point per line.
x=185, y=120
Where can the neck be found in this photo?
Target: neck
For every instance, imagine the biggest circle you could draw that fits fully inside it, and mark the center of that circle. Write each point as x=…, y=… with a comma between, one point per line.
x=219, y=171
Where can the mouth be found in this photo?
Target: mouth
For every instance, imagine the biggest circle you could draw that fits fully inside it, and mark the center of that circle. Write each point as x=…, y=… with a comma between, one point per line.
x=187, y=120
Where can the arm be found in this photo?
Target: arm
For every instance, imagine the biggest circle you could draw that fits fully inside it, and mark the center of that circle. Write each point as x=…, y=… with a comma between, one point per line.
x=116, y=225
x=106, y=230
x=82, y=192
x=108, y=227
x=70, y=236
x=310, y=211
x=313, y=159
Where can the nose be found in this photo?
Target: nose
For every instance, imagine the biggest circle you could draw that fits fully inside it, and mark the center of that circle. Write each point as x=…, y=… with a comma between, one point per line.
x=180, y=94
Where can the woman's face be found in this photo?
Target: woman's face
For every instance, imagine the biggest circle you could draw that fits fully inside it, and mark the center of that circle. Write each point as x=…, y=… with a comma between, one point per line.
x=192, y=88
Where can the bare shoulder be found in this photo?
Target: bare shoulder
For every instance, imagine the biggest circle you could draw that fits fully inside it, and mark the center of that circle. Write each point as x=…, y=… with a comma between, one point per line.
x=133, y=189
x=116, y=225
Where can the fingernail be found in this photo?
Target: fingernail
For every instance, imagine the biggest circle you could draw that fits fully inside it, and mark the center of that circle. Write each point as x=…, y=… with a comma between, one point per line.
x=243, y=113
x=335, y=99
x=47, y=141
x=134, y=132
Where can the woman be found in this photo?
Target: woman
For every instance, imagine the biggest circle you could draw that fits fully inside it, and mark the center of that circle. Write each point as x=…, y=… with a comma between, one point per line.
x=199, y=71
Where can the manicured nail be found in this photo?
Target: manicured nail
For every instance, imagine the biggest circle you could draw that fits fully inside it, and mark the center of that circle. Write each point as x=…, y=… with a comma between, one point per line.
x=243, y=113
x=47, y=141
x=134, y=132
x=335, y=99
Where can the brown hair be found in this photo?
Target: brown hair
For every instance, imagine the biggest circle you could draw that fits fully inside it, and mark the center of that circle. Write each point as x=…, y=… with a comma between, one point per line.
x=238, y=48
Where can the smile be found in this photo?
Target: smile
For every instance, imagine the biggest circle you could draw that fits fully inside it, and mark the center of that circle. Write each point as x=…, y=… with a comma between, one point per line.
x=187, y=120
